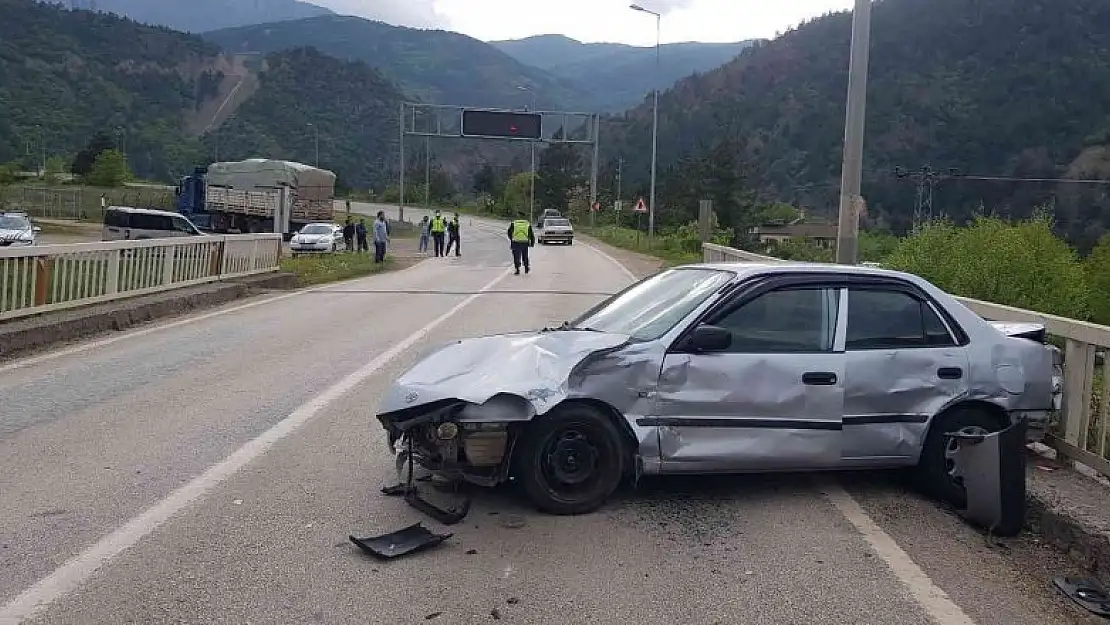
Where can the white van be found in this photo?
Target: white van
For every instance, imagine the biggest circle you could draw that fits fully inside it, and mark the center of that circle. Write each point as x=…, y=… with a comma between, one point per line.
x=126, y=223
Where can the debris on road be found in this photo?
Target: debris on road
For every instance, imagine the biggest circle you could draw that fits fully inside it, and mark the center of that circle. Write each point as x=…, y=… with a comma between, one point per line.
x=1088, y=593
x=992, y=470
x=411, y=539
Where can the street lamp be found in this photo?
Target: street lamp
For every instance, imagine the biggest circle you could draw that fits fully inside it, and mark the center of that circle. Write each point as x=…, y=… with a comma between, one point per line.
x=847, y=233
x=654, y=117
x=532, y=178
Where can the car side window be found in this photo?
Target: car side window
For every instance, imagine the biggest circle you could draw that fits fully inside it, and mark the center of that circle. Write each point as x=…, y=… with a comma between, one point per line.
x=880, y=319
x=787, y=320
x=115, y=219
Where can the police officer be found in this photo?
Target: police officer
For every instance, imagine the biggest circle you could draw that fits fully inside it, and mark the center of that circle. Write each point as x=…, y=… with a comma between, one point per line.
x=521, y=237
x=437, y=228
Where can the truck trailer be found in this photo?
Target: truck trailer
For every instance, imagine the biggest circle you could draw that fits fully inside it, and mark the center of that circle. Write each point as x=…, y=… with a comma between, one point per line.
x=243, y=196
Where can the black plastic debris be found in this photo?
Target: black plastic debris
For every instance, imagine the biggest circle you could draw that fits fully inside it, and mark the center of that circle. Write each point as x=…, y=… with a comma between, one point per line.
x=446, y=516
x=992, y=467
x=402, y=542
x=1086, y=592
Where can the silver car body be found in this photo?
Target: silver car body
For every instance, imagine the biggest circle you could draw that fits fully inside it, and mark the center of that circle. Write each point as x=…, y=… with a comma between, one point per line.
x=16, y=230
x=317, y=238
x=556, y=229
x=846, y=403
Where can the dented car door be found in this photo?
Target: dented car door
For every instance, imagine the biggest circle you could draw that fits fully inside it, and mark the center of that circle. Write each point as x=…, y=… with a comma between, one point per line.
x=771, y=400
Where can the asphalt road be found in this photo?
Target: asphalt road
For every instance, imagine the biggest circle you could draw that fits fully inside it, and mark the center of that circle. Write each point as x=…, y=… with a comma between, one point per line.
x=210, y=470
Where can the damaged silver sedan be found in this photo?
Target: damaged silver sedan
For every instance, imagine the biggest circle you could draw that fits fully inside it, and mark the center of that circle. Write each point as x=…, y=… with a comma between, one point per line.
x=723, y=368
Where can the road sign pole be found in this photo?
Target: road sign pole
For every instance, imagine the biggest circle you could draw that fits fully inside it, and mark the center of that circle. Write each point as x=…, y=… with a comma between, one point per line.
x=401, y=184
x=593, y=171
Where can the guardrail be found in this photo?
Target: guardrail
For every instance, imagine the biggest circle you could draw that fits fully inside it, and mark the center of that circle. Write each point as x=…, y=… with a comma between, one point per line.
x=46, y=278
x=1082, y=429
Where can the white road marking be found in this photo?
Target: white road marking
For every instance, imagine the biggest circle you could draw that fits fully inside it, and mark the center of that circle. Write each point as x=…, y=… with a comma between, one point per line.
x=935, y=601
x=631, y=276
x=77, y=570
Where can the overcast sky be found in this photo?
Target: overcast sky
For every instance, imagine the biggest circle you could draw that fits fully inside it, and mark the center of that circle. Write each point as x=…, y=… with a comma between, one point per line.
x=595, y=20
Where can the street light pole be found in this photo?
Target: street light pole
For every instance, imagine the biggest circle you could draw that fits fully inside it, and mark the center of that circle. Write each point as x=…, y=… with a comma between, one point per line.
x=316, y=132
x=847, y=234
x=42, y=148
x=532, y=176
x=654, y=117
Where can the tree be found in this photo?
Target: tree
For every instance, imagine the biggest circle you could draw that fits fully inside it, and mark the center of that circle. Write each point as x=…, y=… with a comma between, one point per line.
x=1097, y=267
x=559, y=173
x=488, y=181
x=86, y=158
x=55, y=167
x=514, y=201
x=109, y=170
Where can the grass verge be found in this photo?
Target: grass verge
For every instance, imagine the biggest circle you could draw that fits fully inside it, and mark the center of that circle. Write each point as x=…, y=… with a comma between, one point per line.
x=671, y=249
x=324, y=268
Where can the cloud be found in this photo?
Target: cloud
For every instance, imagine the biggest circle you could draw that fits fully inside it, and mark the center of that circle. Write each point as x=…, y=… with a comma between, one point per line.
x=414, y=13
x=664, y=7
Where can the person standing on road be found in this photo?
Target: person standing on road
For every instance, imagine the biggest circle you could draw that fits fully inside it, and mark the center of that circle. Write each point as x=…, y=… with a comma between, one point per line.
x=381, y=237
x=349, y=235
x=437, y=227
x=360, y=234
x=453, y=236
x=424, y=224
x=521, y=237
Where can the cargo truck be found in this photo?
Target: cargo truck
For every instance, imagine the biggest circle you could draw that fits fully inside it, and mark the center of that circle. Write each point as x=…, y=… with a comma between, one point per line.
x=243, y=196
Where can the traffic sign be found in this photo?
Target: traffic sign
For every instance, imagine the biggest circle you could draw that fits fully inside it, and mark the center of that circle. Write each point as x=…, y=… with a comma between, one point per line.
x=617, y=205
x=640, y=206
x=501, y=124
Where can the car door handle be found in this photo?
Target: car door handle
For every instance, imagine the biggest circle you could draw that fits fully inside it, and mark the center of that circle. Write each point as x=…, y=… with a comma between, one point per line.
x=950, y=373
x=819, y=378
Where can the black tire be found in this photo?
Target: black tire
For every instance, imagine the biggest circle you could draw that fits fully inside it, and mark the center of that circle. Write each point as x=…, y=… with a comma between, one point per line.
x=933, y=473
x=570, y=242
x=548, y=458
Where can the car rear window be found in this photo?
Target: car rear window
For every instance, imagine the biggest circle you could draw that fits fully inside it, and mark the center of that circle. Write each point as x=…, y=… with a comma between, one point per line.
x=558, y=223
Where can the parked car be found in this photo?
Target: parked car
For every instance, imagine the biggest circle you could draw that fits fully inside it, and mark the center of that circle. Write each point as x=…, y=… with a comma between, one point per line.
x=127, y=223
x=557, y=230
x=317, y=238
x=724, y=368
x=548, y=213
x=16, y=229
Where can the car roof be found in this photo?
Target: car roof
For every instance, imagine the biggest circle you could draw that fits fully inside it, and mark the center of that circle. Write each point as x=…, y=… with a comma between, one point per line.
x=322, y=223
x=143, y=211
x=750, y=268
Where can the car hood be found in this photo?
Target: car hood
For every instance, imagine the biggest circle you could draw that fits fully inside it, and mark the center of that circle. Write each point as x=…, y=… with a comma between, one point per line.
x=533, y=365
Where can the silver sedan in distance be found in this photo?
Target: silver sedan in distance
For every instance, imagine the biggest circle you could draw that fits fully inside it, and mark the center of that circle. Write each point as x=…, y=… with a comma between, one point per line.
x=316, y=239
x=724, y=368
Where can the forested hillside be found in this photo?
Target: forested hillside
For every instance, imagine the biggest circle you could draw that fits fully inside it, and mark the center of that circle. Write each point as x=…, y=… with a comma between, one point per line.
x=199, y=15
x=613, y=76
x=992, y=88
x=433, y=65
x=66, y=75
x=304, y=92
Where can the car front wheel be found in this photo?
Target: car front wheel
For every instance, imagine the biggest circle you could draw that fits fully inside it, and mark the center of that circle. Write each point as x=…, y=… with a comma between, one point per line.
x=569, y=461
x=935, y=472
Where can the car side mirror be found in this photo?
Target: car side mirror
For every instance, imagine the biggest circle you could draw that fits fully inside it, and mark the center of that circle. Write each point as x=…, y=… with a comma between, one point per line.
x=709, y=338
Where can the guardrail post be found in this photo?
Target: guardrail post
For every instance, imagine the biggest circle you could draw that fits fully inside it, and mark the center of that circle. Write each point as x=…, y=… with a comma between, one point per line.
x=44, y=269
x=167, y=264
x=111, y=282
x=1079, y=368
x=215, y=267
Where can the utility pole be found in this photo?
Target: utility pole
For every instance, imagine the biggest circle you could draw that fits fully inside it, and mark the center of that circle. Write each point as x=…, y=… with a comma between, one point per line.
x=847, y=234
x=42, y=148
x=532, y=176
x=654, y=116
x=593, y=169
x=427, y=172
x=620, y=166
x=401, y=178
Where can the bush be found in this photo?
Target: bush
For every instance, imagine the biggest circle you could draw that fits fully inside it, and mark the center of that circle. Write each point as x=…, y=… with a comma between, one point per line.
x=1023, y=265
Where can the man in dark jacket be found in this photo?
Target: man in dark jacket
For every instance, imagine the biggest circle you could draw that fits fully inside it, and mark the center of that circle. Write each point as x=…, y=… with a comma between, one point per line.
x=453, y=235
x=360, y=234
x=349, y=236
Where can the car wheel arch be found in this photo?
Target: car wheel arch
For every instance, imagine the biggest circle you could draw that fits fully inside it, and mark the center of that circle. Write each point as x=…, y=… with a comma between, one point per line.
x=628, y=437
x=993, y=410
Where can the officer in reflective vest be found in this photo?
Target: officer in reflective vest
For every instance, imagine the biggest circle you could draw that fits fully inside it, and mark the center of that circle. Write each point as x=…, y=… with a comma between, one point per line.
x=437, y=228
x=521, y=237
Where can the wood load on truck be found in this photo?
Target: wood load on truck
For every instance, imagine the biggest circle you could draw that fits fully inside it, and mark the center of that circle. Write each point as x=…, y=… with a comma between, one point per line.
x=244, y=196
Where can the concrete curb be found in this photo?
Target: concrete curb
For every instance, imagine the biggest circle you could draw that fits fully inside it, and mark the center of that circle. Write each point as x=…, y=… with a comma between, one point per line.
x=22, y=336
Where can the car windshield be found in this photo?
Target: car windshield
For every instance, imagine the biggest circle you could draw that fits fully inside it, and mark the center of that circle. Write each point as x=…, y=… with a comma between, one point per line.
x=557, y=223
x=13, y=222
x=319, y=229
x=650, y=308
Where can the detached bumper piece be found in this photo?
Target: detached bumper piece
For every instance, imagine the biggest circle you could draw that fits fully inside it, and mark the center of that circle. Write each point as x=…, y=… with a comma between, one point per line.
x=993, y=470
x=449, y=516
x=402, y=542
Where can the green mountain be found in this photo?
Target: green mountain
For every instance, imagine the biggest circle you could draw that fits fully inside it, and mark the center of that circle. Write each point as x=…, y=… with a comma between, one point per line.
x=615, y=76
x=432, y=65
x=67, y=75
x=201, y=15
x=172, y=101
x=993, y=88
x=356, y=122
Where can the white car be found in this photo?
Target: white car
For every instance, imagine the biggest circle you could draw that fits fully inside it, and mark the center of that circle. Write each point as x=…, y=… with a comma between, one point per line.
x=556, y=230
x=17, y=230
x=317, y=238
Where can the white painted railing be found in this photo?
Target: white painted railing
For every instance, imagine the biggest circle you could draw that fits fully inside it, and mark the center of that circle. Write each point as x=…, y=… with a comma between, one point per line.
x=1083, y=428
x=45, y=278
